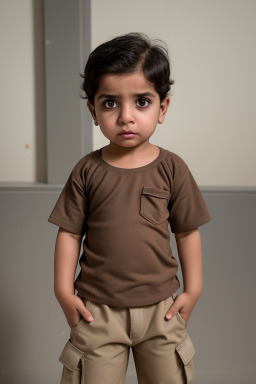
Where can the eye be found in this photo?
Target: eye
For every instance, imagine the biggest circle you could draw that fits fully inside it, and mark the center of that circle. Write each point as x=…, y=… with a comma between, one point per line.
x=142, y=102
x=110, y=104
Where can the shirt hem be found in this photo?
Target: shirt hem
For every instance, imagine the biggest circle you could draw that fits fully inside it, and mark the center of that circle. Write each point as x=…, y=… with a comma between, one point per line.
x=63, y=224
x=133, y=302
x=194, y=224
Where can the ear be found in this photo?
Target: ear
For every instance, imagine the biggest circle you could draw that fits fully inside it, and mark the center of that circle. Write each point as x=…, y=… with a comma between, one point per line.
x=93, y=113
x=163, y=109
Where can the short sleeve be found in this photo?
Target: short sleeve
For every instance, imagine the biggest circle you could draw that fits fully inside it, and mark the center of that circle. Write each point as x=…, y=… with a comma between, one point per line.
x=187, y=207
x=70, y=210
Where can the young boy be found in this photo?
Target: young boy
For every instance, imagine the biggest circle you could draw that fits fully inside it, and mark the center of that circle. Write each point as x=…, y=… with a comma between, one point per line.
x=122, y=198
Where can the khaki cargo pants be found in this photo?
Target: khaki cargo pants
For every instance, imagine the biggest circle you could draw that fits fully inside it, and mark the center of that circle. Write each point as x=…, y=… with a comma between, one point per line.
x=98, y=352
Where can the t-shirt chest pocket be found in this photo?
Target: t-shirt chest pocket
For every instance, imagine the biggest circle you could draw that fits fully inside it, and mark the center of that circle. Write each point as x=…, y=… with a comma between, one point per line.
x=154, y=205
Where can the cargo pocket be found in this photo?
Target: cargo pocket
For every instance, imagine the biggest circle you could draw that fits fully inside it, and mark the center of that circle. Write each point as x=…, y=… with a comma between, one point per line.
x=186, y=352
x=154, y=205
x=73, y=365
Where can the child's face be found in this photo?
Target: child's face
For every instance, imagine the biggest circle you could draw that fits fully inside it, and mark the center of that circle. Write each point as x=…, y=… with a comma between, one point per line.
x=127, y=102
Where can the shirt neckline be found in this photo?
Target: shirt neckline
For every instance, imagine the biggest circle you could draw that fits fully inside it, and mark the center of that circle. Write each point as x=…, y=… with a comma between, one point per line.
x=97, y=155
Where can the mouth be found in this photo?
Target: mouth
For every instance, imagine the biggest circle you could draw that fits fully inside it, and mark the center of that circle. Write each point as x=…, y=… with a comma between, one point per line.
x=127, y=134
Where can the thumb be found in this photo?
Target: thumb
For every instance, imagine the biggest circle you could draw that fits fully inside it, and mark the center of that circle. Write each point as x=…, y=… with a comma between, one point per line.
x=85, y=313
x=174, y=308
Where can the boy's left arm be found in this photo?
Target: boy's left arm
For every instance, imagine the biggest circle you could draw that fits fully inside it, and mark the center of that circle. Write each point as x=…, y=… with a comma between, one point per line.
x=190, y=254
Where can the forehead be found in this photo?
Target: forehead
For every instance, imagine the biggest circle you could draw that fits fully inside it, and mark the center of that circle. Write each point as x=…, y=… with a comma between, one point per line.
x=128, y=83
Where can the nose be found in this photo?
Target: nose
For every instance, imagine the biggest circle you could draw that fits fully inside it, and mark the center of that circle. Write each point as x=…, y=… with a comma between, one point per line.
x=126, y=115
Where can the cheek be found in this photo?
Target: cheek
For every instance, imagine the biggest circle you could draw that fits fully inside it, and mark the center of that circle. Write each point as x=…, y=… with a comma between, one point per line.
x=150, y=119
x=103, y=119
x=106, y=124
x=107, y=117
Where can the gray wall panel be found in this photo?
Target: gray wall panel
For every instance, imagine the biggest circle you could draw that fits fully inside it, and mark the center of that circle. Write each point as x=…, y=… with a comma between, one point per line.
x=35, y=330
x=223, y=325
x=67, y=45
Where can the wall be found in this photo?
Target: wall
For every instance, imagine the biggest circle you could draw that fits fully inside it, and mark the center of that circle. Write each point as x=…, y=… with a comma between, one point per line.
x=222, y=325
x=34, y=329
x=211, y=121
x=212, y=110
x=22, y=117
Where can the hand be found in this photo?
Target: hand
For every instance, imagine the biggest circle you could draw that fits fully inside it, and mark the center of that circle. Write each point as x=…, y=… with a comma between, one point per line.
x=74, y=309
x=184, y=304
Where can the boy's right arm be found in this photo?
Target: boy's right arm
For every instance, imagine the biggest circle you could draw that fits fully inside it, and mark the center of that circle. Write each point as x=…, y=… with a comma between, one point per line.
x=67, y=251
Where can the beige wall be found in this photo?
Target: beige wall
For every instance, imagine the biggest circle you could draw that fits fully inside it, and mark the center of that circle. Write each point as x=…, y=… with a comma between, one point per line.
x=22, y=128
x=211, y=121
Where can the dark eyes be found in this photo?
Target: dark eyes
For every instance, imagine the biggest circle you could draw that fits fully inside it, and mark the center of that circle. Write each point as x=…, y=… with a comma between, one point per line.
x=141, y=103
x=110, y=104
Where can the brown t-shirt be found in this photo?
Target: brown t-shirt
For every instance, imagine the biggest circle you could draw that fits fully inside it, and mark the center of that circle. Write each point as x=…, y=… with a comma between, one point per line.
x=125, y=216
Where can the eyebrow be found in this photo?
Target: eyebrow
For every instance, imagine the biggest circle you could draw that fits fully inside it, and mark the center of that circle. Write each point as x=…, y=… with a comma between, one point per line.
x=108, y=96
